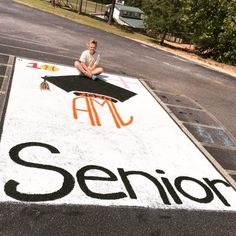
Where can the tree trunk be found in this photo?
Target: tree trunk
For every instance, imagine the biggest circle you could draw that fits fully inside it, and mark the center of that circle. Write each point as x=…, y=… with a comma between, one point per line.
x=110, y=19
x=53, y=2
x=80, y=7
x=163, y=37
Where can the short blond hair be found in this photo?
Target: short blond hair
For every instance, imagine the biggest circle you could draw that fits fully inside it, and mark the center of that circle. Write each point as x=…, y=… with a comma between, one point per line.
x=93, y=41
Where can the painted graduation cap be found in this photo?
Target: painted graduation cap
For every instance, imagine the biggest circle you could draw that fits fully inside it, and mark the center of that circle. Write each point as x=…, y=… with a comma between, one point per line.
x=82, y=84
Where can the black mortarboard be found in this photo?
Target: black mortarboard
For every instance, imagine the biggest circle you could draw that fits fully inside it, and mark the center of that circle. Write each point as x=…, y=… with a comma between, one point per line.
x=82, y=84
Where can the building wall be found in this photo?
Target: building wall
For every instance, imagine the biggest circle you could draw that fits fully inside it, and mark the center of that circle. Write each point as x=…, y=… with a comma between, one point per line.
x=116, y=14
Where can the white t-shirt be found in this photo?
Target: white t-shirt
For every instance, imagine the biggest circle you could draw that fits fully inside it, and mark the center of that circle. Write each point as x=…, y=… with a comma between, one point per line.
x=89, y=59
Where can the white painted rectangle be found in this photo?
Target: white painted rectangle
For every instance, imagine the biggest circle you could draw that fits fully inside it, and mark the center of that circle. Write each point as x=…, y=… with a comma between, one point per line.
x=152, y=141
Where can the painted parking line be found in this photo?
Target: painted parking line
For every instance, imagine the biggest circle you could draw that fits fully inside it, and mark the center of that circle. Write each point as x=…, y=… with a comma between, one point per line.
x=99, y=143
x=33, y=50
x=29, y=41
x=153, y=58
x=179, y=58
x=176, y=67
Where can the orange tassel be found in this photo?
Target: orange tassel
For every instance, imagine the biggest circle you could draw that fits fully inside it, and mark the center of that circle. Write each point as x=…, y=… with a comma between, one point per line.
x=44, y=85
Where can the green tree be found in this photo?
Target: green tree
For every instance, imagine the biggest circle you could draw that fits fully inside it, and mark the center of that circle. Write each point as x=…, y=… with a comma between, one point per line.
x=212, y=23
x=134, y=3
x=226, y=47
x=164, y=16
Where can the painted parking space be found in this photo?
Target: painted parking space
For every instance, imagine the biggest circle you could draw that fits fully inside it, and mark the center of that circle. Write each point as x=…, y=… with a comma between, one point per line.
x=105, y=142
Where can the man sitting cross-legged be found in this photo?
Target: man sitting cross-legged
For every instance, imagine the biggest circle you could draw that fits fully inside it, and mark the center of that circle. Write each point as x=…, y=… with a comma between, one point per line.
x=88, y=62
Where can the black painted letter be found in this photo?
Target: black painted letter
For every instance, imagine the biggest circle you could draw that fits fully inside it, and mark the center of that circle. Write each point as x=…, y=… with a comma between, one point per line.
x=124, y=174
x=11, y=185
x=212, y=183
x=170, y=188
x=209, y=195
x=81, y=178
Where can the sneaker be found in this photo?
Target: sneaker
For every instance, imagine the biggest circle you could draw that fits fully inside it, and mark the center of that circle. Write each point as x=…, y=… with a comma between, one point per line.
x=94, y=77
x=81, y=74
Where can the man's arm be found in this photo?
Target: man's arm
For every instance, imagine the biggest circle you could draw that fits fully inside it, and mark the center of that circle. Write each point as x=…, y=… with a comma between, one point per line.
x=84, y=67
x=95, y=63
x=93, y=67
x=86, y=70
x=82, y=61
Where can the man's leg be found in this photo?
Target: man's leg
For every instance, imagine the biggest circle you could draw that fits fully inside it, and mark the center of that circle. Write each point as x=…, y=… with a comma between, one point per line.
x=96, y=71
x=78, y=66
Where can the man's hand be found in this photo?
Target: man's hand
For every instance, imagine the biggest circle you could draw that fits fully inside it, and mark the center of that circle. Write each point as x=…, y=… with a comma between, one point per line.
x=88, y=73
